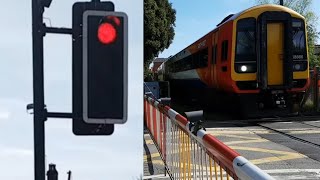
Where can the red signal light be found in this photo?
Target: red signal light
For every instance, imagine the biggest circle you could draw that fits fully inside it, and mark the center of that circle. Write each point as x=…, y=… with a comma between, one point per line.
x=107, y=33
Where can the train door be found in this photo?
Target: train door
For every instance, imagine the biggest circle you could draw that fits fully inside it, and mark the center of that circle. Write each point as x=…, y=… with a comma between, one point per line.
x=275, y=44
x=274, y=48
x=213, y=71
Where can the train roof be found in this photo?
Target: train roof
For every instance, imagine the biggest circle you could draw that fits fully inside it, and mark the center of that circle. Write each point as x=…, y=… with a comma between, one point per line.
x=232, y=17
x=271, y=6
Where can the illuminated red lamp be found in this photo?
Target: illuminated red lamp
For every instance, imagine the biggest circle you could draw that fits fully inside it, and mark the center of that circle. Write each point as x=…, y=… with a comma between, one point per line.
x=107, y=33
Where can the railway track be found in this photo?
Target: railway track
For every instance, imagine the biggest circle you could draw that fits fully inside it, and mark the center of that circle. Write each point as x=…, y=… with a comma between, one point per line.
x=300, y=119
x=291, y=136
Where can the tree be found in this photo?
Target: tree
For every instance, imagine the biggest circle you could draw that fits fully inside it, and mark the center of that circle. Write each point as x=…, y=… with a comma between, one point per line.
x=159, y=22
x=304, y=8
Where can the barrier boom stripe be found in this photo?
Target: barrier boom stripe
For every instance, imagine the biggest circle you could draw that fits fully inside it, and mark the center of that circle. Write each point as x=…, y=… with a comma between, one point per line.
x=220, y=151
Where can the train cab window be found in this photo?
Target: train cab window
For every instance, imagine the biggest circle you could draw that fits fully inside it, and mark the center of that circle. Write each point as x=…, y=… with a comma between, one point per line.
x=246, y=41
x=299, y=48
x=224, y=50
x=298, y=39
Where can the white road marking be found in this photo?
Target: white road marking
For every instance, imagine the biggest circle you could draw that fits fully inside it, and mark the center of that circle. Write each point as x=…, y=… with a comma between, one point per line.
x=281, y=171
x=158, y=176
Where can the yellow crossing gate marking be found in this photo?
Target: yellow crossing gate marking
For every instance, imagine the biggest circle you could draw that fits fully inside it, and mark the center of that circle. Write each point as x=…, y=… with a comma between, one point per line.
x=153, y=155
x=185, y=146
x=228, y=132
x=245, y=141
x=285, y=155
x=149, y=141
x=241, y=137
x=234, y=132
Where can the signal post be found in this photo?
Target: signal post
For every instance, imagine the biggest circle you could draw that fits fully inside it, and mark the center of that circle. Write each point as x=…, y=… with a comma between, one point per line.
x=99, y=72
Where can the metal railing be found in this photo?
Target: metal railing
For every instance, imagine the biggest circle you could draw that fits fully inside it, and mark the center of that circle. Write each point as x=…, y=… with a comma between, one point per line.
x=189, y=152
x=311, y=103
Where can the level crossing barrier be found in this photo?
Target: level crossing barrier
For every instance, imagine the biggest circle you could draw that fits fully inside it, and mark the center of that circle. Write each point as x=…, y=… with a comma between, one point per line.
x=188, y=152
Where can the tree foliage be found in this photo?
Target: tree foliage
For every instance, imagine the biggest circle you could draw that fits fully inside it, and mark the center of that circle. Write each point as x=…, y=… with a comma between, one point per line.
x=159, y=22
x=304, y=8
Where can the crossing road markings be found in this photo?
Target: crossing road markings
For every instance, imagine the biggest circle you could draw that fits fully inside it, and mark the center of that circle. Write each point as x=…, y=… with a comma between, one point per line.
x=153, y=155
x=305, y=132
x=284, y=155
x=245, y=141
x=158, y=162
x=149, y=141
x=158, y=176
x=241, y=137
x=214, y=133
x=261, y=131
x=294, y=173
x=280, y=171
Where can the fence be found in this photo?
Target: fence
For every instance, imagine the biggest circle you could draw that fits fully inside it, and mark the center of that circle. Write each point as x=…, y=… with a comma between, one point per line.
x=189, y=152
x=311, y=103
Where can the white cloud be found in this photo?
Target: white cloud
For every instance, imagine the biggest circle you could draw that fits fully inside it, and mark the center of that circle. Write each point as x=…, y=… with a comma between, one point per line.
x=4, y=115
x=15, y=152
x=109, y=157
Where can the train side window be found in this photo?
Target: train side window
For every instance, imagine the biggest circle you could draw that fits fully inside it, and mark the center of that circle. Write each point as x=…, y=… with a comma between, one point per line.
x=182, y=65
x=195, y=60
x=179, y=66
x=203, y=58
x=176, y=66
x=170, y=67
x=188, y=62
x=224, y=50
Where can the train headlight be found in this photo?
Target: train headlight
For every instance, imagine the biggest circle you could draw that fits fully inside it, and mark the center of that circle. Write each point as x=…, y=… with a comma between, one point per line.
x=244, y=68
x=297, y=67
x=300, y=66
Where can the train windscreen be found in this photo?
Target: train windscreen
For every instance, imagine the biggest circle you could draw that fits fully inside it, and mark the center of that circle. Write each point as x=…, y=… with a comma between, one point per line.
x=245, y=58
x=299, y=45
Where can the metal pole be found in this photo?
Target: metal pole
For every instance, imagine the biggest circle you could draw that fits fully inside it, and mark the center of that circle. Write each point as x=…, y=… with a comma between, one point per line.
x=281, y=2
x=38, y=91
x=69, y=175
x=316, y=89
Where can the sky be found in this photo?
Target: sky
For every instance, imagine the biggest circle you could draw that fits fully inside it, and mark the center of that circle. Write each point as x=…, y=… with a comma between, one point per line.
x=196, y=18
x=119, y=156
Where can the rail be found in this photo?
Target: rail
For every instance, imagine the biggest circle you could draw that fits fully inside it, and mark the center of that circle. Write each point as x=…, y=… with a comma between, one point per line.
x=188, y=152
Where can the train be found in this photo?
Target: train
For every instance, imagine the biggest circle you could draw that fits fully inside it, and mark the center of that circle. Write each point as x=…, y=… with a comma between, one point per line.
x=255, y=61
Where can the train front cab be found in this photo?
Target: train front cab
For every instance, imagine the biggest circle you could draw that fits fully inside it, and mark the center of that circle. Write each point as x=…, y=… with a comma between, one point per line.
x=270, y=68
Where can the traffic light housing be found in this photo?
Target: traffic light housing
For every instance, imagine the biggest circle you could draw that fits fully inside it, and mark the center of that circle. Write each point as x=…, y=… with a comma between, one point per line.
x=100, y=67
x=104, y=67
